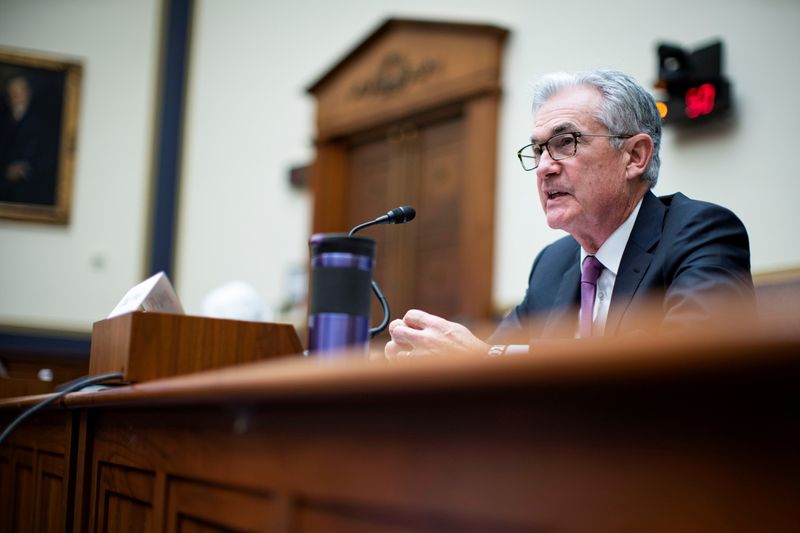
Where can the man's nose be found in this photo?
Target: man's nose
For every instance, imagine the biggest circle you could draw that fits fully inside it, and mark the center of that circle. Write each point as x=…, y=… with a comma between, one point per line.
x=548, y=167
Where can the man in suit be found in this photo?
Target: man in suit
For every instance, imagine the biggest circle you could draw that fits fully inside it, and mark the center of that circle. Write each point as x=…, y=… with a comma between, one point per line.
x=594, y=149
x=28, y=147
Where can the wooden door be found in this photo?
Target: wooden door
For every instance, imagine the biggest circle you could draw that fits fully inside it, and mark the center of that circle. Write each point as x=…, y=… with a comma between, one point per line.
x=409, y=117
x=418, y=164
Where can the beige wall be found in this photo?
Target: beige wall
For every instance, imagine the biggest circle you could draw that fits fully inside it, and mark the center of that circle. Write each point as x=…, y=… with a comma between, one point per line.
x=66, y=277
x=249, y=120
x=722, y=165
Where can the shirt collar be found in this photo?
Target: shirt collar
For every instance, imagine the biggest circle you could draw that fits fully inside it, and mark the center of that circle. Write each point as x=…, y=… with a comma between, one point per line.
x=610, y=253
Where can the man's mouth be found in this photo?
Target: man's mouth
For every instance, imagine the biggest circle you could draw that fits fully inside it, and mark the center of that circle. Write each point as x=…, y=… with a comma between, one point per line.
x=555, y=194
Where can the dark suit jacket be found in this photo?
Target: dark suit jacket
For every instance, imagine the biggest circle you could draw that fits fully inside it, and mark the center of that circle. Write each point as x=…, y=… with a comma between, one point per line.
x=34, y=142
x=691, y=257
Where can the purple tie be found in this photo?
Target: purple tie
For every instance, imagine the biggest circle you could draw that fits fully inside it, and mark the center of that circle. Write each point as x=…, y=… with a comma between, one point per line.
x=589, y=273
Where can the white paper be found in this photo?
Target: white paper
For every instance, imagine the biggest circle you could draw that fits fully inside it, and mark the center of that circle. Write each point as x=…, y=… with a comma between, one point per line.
x=153, y=294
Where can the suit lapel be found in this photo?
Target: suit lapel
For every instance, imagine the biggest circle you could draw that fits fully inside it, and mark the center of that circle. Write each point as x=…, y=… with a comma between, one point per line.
x=635, y=259
x=562, y=319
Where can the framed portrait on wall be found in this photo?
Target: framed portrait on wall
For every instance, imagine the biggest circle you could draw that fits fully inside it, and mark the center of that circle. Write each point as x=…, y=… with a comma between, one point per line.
x=39, y=97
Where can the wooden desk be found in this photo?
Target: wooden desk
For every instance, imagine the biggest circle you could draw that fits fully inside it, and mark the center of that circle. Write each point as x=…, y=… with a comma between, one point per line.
x=645, y=435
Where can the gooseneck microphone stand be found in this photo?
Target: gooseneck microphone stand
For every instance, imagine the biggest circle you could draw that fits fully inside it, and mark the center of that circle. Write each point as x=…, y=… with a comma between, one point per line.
x=398, y=215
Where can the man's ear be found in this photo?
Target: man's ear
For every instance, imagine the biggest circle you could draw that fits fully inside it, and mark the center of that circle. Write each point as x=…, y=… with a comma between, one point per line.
x=640, y=151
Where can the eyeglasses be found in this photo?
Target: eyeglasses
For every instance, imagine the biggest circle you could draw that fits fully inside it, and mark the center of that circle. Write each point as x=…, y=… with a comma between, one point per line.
x=559, y=147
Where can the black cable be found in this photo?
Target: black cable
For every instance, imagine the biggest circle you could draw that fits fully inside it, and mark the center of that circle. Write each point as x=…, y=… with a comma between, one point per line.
x=75, y=385
x=377, y=290
x=386, y=313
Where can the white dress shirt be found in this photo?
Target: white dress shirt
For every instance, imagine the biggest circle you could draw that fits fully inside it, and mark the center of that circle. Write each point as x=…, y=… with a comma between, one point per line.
x=610, y=255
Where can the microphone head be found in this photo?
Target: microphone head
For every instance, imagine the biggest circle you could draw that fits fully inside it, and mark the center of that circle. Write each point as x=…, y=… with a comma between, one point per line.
x=401, y=215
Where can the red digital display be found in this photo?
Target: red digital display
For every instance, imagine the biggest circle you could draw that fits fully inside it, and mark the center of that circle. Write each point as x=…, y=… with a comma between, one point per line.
x=700, y=100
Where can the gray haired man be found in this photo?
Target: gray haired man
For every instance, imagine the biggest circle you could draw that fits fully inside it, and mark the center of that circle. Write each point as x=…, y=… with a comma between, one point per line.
x=595, y=153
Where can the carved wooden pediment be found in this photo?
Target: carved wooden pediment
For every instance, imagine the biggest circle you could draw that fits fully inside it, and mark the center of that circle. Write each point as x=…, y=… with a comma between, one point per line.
x=404, y=67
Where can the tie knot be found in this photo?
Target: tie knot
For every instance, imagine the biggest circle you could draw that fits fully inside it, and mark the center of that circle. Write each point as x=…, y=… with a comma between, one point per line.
x=591, y=269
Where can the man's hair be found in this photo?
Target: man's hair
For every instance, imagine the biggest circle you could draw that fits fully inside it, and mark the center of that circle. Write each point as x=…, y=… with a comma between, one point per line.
x=627, y=107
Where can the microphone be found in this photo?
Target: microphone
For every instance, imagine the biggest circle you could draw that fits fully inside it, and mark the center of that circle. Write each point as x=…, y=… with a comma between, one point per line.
x=398, y=215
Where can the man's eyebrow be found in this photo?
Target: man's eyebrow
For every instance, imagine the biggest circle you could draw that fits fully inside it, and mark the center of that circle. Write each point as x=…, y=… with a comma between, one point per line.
x=560, y=128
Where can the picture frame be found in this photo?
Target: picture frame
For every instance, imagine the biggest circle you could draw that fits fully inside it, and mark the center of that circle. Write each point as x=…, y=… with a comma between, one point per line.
x=39, y=99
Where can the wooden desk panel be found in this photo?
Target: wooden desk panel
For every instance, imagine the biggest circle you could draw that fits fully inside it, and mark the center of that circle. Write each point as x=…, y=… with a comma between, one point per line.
x=36, y=482
x=503, y=461
x=639, y=436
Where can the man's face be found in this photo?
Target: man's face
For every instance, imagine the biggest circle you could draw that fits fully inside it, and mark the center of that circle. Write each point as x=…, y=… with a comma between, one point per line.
x=19, y=94
x=587, y=194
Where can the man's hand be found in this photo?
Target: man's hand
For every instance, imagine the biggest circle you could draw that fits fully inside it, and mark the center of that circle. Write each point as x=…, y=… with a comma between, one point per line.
x=419, y=333
x=18, y=171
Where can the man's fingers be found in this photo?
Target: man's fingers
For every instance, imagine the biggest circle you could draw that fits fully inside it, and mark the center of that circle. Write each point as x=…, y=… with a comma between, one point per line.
x=406, y=336
x=394, y=323
x=391, y=350
x=394, y=350
x=419, y=333
x=403, y=340
x=420, y=319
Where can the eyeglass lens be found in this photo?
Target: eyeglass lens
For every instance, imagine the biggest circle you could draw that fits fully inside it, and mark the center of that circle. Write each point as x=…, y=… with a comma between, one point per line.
x=560, y=147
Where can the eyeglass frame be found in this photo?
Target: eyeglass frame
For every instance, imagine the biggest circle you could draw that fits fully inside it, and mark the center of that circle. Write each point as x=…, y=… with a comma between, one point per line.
x=575, y=135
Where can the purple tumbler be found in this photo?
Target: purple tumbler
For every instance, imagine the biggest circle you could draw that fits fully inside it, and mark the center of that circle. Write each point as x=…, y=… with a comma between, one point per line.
x=341, y=277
